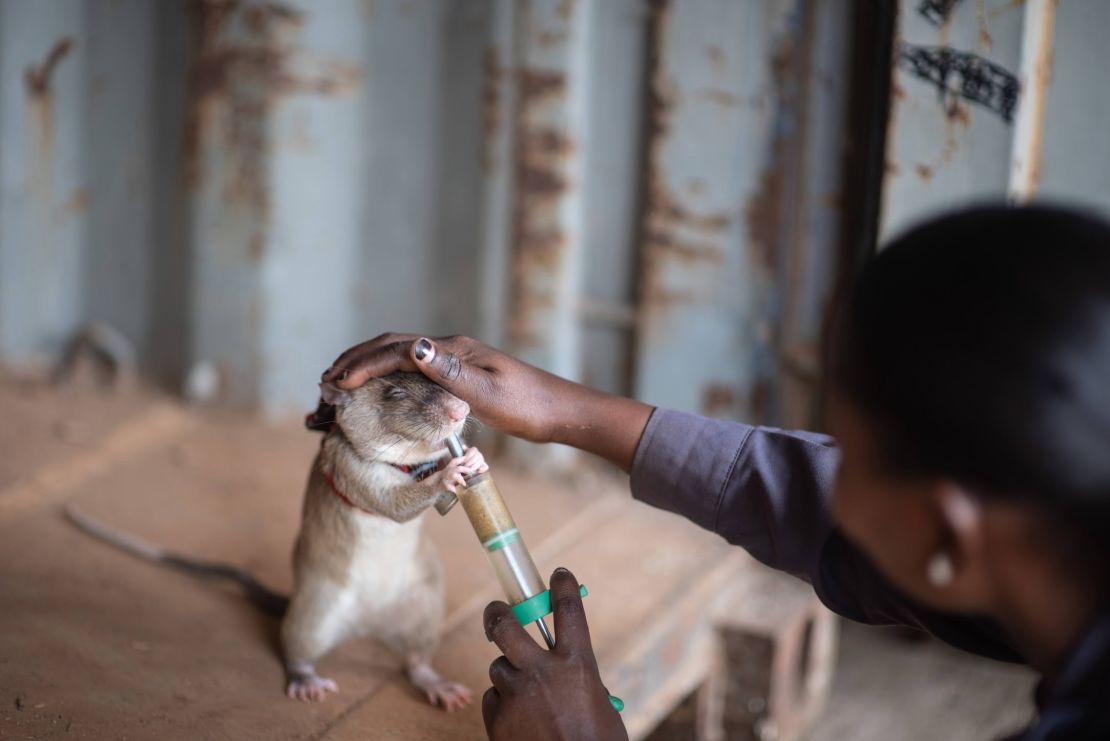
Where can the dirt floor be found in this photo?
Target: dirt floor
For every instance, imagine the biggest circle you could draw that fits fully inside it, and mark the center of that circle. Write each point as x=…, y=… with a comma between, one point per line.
x=94, y=644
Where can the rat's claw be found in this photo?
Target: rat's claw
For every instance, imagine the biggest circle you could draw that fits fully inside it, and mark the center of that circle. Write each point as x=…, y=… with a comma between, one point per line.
x=311, y=687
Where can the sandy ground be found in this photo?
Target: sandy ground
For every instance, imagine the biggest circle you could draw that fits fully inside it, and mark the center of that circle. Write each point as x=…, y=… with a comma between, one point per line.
x=96, y=645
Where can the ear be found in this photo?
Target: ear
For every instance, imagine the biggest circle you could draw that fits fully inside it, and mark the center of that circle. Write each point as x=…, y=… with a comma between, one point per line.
x=332, y=394
x=961, y=515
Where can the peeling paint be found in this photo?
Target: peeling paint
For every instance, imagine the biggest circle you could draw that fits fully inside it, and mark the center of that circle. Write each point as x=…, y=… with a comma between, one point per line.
x=78, y=201
x=491, y=107
x=236, y=79
x=37, y=79
x=719, y=400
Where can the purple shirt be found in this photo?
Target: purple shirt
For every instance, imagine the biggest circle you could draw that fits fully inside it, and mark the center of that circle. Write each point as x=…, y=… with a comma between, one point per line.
x=768, y=491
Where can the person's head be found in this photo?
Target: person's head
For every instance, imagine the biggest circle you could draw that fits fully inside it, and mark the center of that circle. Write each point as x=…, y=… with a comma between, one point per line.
x=970, y=377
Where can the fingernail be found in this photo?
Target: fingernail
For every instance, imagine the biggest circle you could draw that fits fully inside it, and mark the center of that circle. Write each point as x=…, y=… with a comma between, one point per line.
x=561, y=571
x=343, y=375
x=423, y=349
x=490, y=627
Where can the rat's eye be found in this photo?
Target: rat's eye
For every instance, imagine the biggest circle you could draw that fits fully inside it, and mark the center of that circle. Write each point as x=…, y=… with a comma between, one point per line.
x=393, y=393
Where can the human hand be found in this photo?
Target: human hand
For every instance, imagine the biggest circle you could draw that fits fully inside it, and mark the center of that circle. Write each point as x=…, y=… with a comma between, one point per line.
x=540, y=694
x=505, y=393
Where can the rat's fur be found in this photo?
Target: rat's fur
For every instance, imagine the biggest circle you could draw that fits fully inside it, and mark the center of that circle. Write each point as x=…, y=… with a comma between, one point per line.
x=369, y=571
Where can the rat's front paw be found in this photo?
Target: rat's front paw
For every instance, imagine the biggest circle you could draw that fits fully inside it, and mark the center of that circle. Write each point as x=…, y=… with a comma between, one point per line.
x=455, y=472
x=312, y=687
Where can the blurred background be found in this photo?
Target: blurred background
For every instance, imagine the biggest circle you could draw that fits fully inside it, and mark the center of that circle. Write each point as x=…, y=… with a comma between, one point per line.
x=659, y=198
x=243, y=189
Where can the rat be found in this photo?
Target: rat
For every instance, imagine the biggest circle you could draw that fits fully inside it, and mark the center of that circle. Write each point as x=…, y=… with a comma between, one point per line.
x=362, y=565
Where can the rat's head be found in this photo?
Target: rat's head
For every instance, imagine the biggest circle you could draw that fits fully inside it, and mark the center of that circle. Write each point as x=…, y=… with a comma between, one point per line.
x=402, y=417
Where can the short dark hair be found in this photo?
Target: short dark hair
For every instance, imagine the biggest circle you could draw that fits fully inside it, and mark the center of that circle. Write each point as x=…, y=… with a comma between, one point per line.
x=978, y=344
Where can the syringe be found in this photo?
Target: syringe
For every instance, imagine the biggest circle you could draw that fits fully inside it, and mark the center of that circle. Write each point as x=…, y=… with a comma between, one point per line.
x=498, y=534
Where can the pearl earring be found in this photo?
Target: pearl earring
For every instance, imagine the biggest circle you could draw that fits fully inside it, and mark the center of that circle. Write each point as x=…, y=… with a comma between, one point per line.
x=940, y=570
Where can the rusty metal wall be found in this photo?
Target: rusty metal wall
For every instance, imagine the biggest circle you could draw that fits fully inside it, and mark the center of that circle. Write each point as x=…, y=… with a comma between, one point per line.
x=996, y=99
x=609, y=189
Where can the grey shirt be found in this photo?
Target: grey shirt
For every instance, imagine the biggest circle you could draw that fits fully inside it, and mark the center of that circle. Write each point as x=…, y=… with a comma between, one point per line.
x=769, y=490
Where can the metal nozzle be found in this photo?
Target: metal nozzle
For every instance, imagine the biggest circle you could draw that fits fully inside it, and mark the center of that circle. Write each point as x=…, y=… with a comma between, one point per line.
x=447, y=500
x=454, y=444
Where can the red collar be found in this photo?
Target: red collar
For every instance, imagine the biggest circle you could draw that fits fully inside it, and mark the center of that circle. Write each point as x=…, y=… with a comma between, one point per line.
x=344, y=498
x=419, y=471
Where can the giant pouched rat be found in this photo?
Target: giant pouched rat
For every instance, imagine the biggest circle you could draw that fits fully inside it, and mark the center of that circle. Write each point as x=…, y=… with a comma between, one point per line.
x=362, y=566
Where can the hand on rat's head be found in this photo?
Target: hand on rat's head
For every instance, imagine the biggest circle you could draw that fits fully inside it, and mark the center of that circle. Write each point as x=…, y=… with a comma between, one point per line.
x=503, y=392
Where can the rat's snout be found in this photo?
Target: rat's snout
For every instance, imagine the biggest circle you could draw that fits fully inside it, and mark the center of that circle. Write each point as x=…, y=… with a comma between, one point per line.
x=456, y=409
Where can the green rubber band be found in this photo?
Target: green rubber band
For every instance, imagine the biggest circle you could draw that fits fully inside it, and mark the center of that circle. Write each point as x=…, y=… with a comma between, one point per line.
x=501, y=540
x=538, y=606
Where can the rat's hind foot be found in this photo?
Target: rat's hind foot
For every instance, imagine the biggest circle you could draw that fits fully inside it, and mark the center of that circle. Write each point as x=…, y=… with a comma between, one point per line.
x=439, y=691
x=306, y=684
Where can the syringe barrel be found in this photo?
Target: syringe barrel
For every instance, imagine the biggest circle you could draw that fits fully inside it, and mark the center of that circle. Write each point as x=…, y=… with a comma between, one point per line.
x=498, y=534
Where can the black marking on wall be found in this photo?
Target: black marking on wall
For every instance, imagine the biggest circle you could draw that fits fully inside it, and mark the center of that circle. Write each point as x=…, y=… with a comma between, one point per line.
x=963, y=74
x=937, y=11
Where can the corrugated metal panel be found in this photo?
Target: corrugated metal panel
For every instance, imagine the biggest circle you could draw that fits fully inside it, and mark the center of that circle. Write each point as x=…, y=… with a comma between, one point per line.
x=955, y=99
x=610, y=189
x=740, y=224
x=43, y=164
x=1075, y=156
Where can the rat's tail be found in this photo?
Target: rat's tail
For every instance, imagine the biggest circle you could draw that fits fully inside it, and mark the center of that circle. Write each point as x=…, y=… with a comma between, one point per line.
x=259, y=595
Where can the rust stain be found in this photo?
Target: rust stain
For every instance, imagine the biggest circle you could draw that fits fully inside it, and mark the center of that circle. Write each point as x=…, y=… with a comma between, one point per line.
x=718, y=400
x=664, y=241
x=539, y=243
x=762, y=217
x=897, y=90
x=761, y=401
x=491, y=106
x=766, y=210
x=548, y=39
x=1006, y=7
x=923, y=171
x=891, y=168
x=985, y=39
x=78, y=201
x=233, y=85
x=662, y=207
x=37, y=79
x=716, y=56
x=958, y=112
x=538, y=84
x=722, y=97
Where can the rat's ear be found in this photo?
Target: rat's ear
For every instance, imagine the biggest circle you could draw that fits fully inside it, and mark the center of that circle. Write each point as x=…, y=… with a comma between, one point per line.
x=334, y=395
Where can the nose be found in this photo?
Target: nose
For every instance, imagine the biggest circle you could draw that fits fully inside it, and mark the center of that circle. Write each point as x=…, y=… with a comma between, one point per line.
x=457, y=411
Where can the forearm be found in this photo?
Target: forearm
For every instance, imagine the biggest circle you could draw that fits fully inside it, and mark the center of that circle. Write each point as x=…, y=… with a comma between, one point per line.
x=606, y=425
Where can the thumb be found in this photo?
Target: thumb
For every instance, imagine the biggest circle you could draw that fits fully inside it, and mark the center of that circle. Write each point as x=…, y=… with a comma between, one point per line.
x=442, y=366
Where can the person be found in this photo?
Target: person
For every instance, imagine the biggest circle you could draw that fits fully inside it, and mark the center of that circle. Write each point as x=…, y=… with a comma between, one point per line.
x=967, y=492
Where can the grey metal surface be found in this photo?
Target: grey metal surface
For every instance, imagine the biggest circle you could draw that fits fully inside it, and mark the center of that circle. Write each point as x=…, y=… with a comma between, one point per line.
x=943, y=149
x=647, y=196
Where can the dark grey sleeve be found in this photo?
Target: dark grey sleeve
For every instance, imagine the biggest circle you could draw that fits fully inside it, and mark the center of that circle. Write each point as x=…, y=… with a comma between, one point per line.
x=763, y=489
x=768, y=491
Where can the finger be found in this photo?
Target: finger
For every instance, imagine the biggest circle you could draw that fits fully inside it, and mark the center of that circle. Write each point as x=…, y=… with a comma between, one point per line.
x=438, y=362
x=503, y=629
x=502, y=674
x=572, y=634
x=491, y=702
x=380, y=356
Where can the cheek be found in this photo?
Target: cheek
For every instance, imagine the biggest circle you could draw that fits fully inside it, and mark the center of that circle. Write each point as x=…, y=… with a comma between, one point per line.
x=885, y=520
